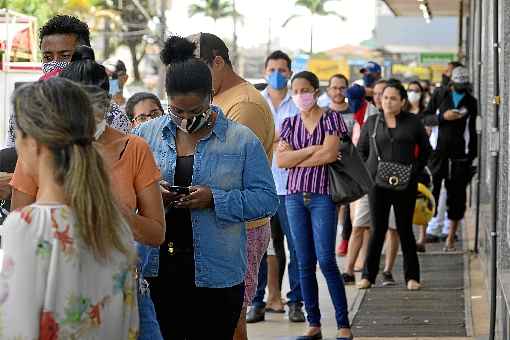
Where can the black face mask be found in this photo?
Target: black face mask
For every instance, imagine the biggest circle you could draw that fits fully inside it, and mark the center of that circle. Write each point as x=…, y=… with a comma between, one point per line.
x=445, y=80
x=460, y=88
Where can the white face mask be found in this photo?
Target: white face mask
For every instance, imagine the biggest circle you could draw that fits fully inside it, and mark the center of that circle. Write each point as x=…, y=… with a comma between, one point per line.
x=100, y=129
x=414, y=97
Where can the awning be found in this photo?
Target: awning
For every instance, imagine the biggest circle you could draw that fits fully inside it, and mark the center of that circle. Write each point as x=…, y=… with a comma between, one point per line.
x=438, y=8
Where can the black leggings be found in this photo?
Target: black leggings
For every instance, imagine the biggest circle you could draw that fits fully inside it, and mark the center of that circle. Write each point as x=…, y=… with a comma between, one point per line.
x=456, y=179
x=188, y=312
x=403, y=203
x=278, y=238
x=347, y=227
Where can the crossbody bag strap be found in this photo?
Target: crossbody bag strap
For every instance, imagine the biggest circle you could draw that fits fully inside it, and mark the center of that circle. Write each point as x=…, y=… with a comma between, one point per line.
x=374, y=134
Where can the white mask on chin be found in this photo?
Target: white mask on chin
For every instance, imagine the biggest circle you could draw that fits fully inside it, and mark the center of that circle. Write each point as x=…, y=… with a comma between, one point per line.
x=100, y=129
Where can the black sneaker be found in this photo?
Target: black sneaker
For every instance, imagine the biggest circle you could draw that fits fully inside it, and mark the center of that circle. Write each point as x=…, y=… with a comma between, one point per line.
x=348, y=279
x=256, y=314
x=296, y=312
x=387, y=279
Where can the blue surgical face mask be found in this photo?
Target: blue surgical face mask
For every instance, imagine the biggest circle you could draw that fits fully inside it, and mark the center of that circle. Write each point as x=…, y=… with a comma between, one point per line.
x=114, y=86
x=277, y=80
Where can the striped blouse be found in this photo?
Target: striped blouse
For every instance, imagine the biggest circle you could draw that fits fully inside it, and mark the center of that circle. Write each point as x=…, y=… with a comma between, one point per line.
x=311, y=179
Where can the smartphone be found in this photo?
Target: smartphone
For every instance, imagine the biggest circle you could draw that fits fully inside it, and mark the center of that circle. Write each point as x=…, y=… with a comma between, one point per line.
x=462, y=111
x=178, y=189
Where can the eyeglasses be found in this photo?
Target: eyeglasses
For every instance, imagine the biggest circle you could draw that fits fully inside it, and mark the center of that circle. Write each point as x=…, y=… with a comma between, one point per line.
x=143, y=117
x=335, y=88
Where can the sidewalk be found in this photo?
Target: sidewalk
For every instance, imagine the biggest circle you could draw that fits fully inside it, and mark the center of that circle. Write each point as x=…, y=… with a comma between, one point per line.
x=471, y=287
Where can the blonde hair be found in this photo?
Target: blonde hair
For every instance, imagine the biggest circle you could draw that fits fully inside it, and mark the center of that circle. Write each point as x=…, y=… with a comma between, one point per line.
x=58, y=114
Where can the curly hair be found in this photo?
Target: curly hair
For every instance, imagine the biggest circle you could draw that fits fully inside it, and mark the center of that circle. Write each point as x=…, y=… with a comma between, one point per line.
x=66, y=24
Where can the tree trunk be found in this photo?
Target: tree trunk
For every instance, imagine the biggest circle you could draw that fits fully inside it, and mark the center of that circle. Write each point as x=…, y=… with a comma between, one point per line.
x=106, y=38
x=135, y=60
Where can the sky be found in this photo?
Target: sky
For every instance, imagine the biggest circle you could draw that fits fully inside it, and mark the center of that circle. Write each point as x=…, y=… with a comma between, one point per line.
x=260, y=15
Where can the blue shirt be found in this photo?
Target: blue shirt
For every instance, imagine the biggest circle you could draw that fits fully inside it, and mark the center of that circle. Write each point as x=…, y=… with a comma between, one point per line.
x=232, y=162
x=457, y=97
x=286, y=109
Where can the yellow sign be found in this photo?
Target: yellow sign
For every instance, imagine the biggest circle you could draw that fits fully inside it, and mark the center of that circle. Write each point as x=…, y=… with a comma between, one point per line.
x=409, y=71
x=324, y=68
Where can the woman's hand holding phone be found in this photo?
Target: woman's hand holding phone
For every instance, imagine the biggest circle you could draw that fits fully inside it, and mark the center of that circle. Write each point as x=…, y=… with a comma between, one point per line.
x=200, y=197
x=171, y=193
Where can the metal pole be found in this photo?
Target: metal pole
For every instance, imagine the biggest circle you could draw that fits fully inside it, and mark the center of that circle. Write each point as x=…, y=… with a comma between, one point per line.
x=461, y=29
x=479, y=124
x=495, y=172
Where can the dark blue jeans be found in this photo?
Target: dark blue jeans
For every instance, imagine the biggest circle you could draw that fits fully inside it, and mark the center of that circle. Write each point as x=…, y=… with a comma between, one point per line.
x=294, y=295
x=313, y=221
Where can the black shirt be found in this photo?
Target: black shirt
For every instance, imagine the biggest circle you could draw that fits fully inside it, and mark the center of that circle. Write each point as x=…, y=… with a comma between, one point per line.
x=407, y=143
x=179, y=230
x=451, y=143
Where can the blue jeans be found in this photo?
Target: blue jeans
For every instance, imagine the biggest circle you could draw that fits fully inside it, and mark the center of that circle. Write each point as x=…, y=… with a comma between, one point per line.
x=149, y=326
x=313, y=221
x=294, y=295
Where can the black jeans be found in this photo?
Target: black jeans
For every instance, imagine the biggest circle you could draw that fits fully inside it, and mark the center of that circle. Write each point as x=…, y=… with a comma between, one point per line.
x=278, y=237
x=188, y=312
x=403, y=203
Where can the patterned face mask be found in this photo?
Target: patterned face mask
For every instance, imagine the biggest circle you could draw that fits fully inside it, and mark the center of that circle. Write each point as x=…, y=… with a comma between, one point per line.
x=54, y=65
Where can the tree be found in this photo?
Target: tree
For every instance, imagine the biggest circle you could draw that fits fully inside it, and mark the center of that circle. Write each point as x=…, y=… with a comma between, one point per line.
x=215, y=9
x=135, y=20
x=45, y=9
x=218, y=9
x=316, y=8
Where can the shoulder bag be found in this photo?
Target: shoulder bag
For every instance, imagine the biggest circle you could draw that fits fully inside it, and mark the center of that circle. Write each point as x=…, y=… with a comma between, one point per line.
x=349, y=179
x=390, y=175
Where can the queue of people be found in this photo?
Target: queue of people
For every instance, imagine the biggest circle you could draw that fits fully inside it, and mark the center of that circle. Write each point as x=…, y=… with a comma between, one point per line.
x=132, y=214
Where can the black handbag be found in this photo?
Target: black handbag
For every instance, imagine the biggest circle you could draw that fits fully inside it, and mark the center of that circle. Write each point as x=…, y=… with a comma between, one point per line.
x=349, y=179
x=390, y=175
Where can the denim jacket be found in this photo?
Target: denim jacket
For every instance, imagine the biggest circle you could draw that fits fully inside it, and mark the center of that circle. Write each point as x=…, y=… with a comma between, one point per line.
x=232, y=162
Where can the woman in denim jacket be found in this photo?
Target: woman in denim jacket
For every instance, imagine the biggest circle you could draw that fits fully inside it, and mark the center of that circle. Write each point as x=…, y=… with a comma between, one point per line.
x=223, y=166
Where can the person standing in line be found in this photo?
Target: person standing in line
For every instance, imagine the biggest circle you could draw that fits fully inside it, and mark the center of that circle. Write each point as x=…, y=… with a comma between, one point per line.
x=58, y=39
x=416, y=105
x=337, y=86
x=135, y=190
x=372, y=72
x=242, y=103
x=400, y=137
x=358, y=243
x=392, y=238
x=309, y=142
x=217, y=178
x=142, y=107
x=117, y=73
x=69, y=262
x=277, y=73
x=438, y=227
x=455, y=147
